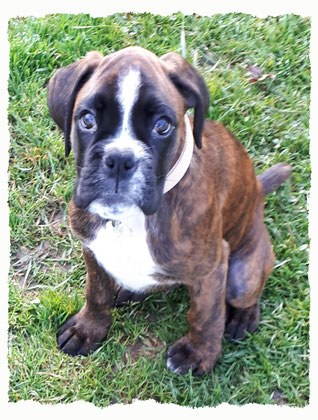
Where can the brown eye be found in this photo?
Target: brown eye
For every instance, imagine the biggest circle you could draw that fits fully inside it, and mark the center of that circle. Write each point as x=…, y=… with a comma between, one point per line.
x=88, y=121
x=162, y=127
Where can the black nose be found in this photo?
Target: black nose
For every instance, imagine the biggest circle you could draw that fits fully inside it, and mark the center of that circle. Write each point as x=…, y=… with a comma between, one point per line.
x=120, y=164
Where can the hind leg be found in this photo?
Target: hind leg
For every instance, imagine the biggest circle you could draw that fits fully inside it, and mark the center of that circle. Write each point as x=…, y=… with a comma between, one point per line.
x=241, y=321
x=249, y=268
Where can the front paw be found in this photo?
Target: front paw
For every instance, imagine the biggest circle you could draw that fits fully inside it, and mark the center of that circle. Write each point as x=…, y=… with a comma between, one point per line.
x=184, y=355
x=81, y=333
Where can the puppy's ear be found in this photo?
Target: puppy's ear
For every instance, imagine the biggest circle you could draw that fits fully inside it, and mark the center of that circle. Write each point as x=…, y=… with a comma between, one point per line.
x=63, y=88
x=192, y=87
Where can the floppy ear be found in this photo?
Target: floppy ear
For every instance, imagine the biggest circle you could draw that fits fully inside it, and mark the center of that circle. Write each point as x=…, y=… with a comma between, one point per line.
x=192, y=87
x=63, y=88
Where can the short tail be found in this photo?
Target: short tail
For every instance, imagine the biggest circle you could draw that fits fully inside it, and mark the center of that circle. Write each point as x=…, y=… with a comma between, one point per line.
x=274, y=177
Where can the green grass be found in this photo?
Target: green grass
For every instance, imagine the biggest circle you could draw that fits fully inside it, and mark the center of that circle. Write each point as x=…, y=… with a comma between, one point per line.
x=47, y=275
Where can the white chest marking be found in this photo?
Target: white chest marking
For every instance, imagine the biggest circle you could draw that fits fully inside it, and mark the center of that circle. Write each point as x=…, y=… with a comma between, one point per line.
x=123, y=252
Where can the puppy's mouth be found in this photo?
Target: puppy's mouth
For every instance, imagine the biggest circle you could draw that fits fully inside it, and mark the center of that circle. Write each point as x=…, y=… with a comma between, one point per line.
x=118, y=208
x=117, y=211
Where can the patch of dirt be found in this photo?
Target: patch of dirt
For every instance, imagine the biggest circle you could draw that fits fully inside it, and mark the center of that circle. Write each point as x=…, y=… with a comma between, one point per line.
x=46, y=254
x=23, y=259
x=148, y=347
x=43, y=257
x=279, y=397
x=57, y=224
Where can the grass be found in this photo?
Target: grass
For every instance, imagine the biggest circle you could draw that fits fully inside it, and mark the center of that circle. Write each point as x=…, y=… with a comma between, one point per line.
x=47, y=274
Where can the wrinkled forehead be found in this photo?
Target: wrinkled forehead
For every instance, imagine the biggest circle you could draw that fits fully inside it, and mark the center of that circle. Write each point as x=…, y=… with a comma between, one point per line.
x=128, y=73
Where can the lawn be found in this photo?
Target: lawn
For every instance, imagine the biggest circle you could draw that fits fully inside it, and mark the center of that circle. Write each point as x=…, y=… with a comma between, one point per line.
x=270, y=116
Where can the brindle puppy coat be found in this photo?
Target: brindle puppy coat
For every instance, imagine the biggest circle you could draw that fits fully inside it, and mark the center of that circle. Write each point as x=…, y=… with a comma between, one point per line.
x=123, y=115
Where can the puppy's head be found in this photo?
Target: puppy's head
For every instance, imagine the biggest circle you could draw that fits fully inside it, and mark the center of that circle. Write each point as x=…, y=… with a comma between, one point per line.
x=123, y=115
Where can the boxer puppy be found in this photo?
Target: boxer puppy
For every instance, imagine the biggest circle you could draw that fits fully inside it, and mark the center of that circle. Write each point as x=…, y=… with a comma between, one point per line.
x=161, y=200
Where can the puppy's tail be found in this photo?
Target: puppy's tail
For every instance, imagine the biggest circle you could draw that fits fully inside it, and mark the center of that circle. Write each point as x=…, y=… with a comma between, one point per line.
x=274, y=177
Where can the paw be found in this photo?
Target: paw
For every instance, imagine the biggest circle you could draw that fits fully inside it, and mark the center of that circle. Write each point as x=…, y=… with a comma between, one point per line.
x=81, y=334
x=183, y=356
x=241, y=321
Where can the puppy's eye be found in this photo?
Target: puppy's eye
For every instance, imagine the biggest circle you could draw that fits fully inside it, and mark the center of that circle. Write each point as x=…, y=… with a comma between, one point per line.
x=88, y=121
x=162, y=127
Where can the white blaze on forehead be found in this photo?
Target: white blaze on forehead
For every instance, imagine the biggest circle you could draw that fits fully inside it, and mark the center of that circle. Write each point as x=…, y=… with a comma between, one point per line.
x=129, y=85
